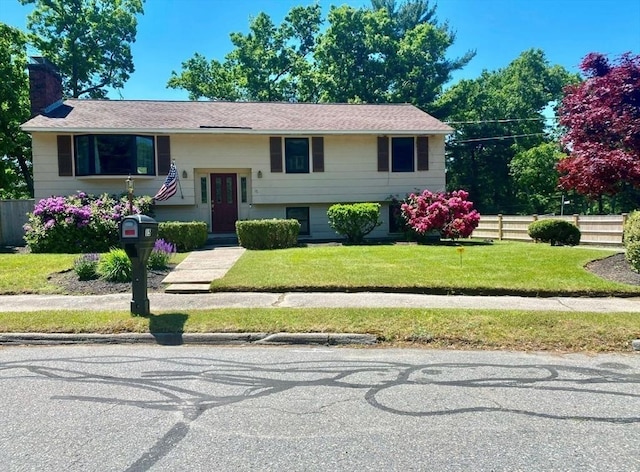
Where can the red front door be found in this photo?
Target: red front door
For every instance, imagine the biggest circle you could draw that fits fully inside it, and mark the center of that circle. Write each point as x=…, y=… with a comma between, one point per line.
x=224, y=204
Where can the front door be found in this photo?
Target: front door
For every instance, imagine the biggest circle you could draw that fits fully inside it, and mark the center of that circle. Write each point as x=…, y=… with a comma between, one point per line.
x=224, y=204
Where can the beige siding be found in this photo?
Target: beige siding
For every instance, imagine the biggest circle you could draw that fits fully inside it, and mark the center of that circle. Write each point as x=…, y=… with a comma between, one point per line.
x=351, y=175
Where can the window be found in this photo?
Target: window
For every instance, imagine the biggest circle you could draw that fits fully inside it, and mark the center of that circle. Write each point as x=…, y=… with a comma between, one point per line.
x=302, y=215
x=204, y=192
x=118, y=154
x=296, y=155
x=243, y=189
x=402, y=155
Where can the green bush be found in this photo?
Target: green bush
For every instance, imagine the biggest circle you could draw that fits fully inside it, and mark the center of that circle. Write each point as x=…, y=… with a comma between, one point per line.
x=115, y=266
x=268, y=234
x=355, y=220
x=86, y=266
x=555, y=232
x=631, y=239
x=186, y=236
x=631, y=230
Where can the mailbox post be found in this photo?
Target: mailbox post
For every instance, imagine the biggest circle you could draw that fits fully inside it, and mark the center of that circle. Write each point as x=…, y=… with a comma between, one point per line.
x=138, y=235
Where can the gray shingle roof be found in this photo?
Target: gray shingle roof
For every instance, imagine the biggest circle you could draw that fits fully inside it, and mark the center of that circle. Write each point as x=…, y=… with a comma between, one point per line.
x=224, y=117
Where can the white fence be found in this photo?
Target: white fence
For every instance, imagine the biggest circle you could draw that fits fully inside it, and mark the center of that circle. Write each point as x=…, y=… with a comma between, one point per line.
x=596, y=229
x=13, y=215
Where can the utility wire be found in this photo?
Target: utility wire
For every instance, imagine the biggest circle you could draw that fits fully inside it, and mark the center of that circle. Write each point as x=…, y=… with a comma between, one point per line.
x=498, y=137
x=505, y=120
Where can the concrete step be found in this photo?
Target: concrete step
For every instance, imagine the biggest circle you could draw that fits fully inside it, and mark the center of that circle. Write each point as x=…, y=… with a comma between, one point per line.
x=187, y=288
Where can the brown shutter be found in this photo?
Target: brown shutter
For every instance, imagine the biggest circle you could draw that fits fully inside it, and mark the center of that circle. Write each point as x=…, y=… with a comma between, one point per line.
x=65, y=160
x=423, y=152
x=383, y=154
x=275, y=149
x=164, y=154
x=317, y=144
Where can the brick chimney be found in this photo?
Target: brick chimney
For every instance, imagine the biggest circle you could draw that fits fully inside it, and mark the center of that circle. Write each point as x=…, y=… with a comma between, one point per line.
x=45, y=85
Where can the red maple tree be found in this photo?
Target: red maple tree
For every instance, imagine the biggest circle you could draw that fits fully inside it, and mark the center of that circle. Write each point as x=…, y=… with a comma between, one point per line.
x=601, y=117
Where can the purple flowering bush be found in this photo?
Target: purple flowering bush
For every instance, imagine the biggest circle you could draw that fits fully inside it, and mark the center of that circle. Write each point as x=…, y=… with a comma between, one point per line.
x=449, y=214
x=161, y=254
x=79, y=223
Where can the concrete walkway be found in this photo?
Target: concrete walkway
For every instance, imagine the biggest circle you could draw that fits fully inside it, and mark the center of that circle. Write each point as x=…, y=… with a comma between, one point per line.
x=195, y=273
x=160, y=302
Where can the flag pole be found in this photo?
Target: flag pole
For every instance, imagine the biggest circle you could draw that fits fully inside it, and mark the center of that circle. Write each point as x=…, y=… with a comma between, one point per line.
x=178, y=179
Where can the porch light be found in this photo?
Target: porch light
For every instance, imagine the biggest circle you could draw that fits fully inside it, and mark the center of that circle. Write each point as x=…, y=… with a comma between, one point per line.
x=259, y=174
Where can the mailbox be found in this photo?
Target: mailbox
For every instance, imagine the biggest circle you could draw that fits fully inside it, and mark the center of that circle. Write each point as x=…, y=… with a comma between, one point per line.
x=138, y=235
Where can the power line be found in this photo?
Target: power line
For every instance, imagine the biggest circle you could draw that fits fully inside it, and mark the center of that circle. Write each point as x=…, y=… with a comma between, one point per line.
x=499, y=137
x=504, y=120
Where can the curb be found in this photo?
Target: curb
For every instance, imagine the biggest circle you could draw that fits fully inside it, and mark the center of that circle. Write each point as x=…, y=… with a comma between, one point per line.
x=177, y=339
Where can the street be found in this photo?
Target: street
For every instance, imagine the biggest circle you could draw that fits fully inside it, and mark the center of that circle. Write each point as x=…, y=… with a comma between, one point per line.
x=138, y=408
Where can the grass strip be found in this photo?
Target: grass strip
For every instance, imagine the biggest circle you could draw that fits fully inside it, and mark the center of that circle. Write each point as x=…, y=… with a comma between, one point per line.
x=438, y=328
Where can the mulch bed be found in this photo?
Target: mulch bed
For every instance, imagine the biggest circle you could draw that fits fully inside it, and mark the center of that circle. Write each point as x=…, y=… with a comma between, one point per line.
x=614, y=268
x=68, y=280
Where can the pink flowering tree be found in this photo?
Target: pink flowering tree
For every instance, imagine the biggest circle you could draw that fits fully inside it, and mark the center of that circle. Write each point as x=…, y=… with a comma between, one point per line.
x=450, y=214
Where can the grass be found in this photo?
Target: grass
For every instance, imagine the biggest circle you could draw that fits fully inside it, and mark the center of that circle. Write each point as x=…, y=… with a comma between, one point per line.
x=499, y=268
x=28, y=273
x=438, y=328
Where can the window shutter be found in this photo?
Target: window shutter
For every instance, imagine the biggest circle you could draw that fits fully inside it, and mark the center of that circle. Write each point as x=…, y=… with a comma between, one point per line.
x=65, y=159
x=317, y=144
x=383, y=154
x=275, y=150
x=164, y=154
x=423, y=152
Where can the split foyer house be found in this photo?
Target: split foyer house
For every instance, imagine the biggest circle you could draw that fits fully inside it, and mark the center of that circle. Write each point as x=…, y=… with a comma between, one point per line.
x=235, y=160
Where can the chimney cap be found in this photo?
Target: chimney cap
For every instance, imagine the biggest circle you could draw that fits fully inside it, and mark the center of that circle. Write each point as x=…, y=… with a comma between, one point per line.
x=44, y=62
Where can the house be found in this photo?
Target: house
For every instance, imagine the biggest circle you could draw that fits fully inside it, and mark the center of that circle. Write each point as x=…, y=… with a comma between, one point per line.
x=235, y=160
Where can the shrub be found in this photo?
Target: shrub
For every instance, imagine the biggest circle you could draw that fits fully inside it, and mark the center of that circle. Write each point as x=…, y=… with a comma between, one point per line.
x=160, y=255
x=79, y=222
x=449, y=214
x=268, y=234
x=115, y=266
x=186, y=236
x=555, y=232
x=86, y=266
x=631, y=239
x=355, y=220
x=631, y=230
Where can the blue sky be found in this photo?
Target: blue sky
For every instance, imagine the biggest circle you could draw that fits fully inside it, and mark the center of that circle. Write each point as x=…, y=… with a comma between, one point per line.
x=171, y=31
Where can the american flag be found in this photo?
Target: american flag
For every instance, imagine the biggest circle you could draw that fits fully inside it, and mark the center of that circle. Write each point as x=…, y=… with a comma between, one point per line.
x=170, y=185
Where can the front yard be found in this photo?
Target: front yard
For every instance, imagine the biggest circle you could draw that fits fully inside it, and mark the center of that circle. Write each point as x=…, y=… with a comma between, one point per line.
x=471, y=268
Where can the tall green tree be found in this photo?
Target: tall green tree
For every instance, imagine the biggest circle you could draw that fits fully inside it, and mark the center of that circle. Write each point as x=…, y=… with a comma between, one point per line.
x=270, y=63
x=497, y=116
x=387, y=53
x=15, y=145
x=535, y=178
x=88, y=40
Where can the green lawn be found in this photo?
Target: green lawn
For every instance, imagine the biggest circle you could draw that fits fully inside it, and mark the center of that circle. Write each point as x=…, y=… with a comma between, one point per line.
x=28, y=273
x=499, y=268
x=438, y=328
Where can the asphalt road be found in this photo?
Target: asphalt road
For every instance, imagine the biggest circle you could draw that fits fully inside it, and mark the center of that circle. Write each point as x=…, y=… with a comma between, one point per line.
x=126, y=408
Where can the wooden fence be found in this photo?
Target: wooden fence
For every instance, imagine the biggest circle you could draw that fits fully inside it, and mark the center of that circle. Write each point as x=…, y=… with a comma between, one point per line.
x=604, y=230
x=13, y=215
